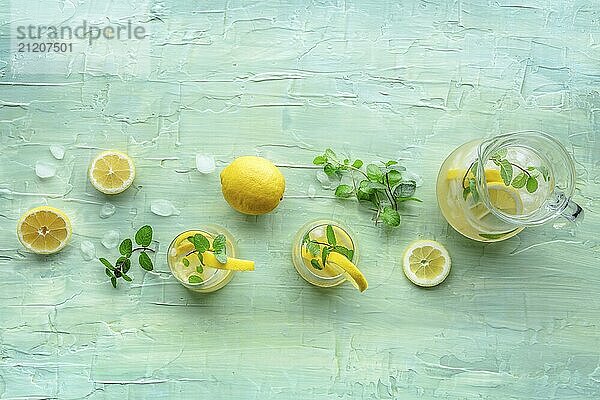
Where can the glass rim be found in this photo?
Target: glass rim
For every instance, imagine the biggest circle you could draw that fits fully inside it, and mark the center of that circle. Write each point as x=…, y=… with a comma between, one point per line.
x=208, y=282
x=310, y=226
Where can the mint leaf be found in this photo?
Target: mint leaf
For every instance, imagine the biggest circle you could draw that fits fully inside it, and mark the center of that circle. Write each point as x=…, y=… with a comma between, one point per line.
x=496, y=235
x=394, y=177
x=320, y=160
x=199, y=269
x=506, y=172
x=201, y=243
x=390, y=216
x=349, y=254
x=313, y=248
x=519, y=181
x=145, y=261
x=344, y=191
x=532, y=184
x=329, y=169
x=127, y=278
x=126, y=247
x=324, y=255
x=405, y=189
x=185, y=262
x=330, y=235
x=466, y=192
x=473, y=190
x=500, y=154
x=390, y=163
x=315, y=264
x=106, y=263
x=113, y=281
x=330, y=153
x=124, y=263
x=221, y=257
x=195, y=279
x=143, y=236
x=374, y=173
x=357, y=164
x=220, y=243
x=109, y=273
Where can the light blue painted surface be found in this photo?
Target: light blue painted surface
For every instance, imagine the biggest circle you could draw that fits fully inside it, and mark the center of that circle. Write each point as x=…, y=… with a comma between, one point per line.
x=411, y=80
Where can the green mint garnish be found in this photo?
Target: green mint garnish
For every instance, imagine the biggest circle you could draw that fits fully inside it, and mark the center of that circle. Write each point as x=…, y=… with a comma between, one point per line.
x=526, y=177
x=143, y=238
x=381, y=186
x=315, y=249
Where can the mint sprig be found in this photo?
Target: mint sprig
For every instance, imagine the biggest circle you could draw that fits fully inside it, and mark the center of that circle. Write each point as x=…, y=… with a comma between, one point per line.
x=143, y=238
x=321, y=250
x=522, y=177
x=379, y=185
x=201, y=246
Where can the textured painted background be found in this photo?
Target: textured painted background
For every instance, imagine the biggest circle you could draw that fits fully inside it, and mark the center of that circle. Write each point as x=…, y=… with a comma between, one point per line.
x=379, y=79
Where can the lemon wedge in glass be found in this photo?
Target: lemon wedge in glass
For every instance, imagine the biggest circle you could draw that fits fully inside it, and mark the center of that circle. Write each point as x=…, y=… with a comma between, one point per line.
x=351, y=271
x=44, y=230
x=210, y=260
x=426, y=263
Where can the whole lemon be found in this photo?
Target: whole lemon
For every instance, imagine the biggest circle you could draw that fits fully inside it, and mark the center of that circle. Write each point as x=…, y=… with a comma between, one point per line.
x=252, y=185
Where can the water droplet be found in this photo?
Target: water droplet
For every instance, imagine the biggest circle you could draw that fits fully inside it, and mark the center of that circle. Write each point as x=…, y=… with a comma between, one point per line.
x=44, y=170
x=88, y=250
x=311, y=191
x=205, y=164
x=163, y=208
x=57, y=151
x=110, y=240
x=107, y=210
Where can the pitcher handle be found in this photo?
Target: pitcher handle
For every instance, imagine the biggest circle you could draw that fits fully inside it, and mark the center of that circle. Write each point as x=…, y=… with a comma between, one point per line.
x=573, y=212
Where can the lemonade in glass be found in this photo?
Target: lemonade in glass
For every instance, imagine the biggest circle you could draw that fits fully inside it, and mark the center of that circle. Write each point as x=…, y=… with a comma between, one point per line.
x=325, y=253
x=207, y=270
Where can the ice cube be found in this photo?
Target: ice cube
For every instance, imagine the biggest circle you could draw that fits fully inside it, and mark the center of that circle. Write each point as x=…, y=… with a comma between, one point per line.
x=205, y=164
x=44, y=170
x=325, y=181
x=110, y=240
x=163, y=208
x=88, y=250
x=107, y=210
x=57, y=151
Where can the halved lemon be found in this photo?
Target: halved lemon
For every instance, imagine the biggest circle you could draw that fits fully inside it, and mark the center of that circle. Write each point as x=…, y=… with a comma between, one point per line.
x=44, y=230
x=112, y=172
x=210, y=260
x=351, y=271
x=426, y=263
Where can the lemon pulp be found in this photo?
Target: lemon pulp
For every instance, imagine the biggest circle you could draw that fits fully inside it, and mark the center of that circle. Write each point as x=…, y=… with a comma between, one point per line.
x=112, y=172
x=426, y=263
x=44, y=230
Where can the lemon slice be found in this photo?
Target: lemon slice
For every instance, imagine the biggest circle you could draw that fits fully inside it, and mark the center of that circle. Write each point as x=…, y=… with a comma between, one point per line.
x=426, y=263
x=112, y=172
x=351, y=272
x=210, y=260
x=44, y=230
x=491, y=175
x=505, y=198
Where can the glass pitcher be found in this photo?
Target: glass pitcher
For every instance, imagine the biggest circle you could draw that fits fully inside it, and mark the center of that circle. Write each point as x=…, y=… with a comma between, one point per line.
x=491, y=189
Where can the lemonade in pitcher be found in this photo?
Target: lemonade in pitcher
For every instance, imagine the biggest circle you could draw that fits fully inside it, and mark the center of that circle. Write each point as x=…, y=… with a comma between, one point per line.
x=489, y=190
